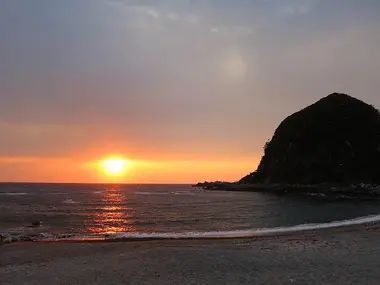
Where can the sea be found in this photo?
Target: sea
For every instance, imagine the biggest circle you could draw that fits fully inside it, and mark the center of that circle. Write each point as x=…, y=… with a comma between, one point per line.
x=54, y=212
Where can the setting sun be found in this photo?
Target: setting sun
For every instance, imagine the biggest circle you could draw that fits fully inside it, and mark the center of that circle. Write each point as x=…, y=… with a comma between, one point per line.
x=114, y=166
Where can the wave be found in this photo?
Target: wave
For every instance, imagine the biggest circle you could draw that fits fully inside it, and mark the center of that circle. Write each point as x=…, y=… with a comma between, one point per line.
x=195, y=235
x=13, y=193
x=152, y=193
x=69, y=201
x=185, y=193
x=254, y=232
x=34, y=194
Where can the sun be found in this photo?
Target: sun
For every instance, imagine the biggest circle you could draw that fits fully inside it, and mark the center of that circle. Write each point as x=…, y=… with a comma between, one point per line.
x=114, y=166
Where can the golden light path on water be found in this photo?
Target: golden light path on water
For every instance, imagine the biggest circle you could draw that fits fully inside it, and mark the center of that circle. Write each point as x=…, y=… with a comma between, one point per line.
x=113, y=216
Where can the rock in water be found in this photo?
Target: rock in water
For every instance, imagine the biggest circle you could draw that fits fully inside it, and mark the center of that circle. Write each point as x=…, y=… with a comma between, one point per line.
x=36, y=223
x=335, y=140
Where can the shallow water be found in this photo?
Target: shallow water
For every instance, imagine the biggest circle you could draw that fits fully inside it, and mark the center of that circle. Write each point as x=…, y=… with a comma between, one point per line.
x=133, y=211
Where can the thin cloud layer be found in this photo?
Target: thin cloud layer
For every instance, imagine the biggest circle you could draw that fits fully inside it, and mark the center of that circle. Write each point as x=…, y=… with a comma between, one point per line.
x=175, y=77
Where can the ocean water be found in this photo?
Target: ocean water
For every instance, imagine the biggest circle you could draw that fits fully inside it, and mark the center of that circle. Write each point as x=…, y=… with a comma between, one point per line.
x=103, y=211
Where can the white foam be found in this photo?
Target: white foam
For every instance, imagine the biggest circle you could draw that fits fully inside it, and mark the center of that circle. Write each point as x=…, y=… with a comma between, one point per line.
x=251, y=233
x=184, y=193
x=69, y=201
x=13, y=193
x=151, y=193
x=213, y=234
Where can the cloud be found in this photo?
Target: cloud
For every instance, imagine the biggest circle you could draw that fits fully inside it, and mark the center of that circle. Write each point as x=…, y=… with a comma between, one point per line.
x=173, y=17
x=232, y=31
x=151, y=12
x=192, y=19
x=214, y=29
x=234, y=66
x=295, y=10
x=154, y=75
x=296, y=7
x=131, y=7
x=148, y=11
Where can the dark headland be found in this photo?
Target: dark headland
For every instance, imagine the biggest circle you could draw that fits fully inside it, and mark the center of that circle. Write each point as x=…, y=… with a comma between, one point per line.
x=331, y=147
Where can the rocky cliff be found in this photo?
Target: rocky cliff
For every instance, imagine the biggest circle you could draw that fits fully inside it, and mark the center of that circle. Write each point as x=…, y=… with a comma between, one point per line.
x=335, y=140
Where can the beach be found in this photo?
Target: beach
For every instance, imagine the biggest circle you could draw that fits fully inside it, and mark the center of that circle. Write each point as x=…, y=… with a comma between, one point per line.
x=348, y=255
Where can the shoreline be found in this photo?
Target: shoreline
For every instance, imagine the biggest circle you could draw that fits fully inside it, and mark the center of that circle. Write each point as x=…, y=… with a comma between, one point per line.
x=267, y=233
x=347, y=255
x=326, y=191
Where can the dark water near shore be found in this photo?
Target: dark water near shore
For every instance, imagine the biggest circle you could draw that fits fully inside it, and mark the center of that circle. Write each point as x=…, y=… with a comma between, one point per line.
x=95, y=210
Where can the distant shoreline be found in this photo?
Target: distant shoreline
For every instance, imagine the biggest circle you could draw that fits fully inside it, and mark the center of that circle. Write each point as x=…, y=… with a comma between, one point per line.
x=325, y=190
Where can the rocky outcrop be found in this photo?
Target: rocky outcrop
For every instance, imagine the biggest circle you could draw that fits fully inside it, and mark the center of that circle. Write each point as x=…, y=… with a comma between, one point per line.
x=215, y=185
x=335, y=140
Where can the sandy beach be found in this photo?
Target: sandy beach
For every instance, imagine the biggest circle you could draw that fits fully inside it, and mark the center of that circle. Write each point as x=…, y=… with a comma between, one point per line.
x=335, y=256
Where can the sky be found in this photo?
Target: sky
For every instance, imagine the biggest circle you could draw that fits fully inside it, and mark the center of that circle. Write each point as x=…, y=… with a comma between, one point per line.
x=185, y=90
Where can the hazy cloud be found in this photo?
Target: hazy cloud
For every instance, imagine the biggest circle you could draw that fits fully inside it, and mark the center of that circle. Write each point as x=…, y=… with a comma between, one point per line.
x=183, y=77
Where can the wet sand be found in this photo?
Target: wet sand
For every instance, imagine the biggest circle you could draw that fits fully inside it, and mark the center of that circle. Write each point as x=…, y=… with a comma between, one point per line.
x=349, y=255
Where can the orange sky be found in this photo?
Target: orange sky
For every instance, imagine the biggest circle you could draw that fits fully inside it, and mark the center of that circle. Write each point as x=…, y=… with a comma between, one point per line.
x=158, y=171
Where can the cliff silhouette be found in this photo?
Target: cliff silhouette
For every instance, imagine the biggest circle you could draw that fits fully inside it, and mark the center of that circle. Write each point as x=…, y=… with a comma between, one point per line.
x=335, y=140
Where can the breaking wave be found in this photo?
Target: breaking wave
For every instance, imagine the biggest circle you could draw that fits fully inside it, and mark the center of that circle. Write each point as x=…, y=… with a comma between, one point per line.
x=13, y=193
x=254, y=232
x=195, y=235
x=69, y=201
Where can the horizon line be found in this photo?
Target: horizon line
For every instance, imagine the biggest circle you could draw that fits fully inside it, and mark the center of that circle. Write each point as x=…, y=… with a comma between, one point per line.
x=110, y=183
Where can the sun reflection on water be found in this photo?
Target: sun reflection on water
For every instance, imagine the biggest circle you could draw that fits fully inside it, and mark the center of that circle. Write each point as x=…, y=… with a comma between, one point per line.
x=113, y=215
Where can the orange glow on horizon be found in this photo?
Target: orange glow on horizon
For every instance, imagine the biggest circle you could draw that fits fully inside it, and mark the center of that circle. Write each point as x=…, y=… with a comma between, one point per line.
x=115, y=166
x=87, y=170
